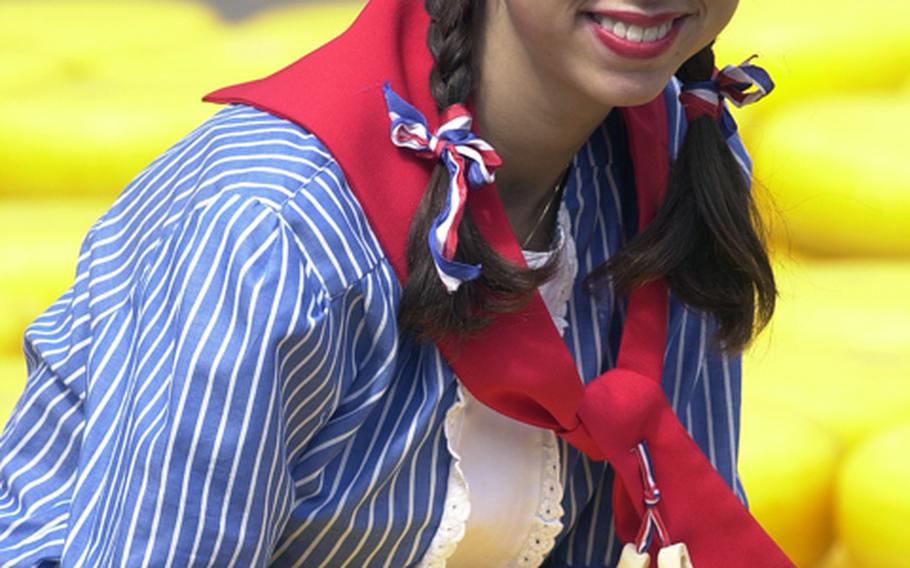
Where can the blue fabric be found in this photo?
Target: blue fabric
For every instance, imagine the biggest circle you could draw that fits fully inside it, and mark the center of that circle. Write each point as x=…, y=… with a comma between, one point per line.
x=224, y=385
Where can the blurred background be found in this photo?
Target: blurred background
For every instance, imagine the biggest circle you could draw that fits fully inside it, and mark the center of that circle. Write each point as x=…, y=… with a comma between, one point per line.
x=91, y=91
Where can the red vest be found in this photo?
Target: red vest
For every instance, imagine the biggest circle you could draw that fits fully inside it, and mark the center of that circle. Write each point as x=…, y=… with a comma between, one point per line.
x=336, y=93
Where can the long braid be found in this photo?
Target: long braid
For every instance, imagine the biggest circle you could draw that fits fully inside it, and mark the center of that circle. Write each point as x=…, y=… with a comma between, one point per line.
x=450, y=42
x=426, y=307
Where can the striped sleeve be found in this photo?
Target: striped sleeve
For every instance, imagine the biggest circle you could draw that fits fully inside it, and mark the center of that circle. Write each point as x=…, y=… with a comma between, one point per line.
x=173, y=384
x=179, y=431
x=39, y=454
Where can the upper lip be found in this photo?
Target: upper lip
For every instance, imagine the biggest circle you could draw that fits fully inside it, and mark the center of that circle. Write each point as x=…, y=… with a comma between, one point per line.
x=639, y=19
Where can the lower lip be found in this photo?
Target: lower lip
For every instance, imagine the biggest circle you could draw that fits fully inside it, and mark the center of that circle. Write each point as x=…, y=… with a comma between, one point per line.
x=635, y=50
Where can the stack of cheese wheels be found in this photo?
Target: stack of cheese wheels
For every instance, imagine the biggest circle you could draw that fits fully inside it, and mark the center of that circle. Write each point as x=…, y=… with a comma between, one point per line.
x=88, y=139
x=71, y=130
x=838, y=349
x=66, y=129
x=836, y=357
x=309, y=25
x=240, y=52
x=838, y=173
x=82, y=39
x=828, y=141
x=87, y=33
x=111, y=112
x=873, y=503
x=813, y=47
x=788, y=466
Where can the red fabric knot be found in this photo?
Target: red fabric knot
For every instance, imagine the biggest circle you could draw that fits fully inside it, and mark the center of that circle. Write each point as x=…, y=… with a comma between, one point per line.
x=617, y=410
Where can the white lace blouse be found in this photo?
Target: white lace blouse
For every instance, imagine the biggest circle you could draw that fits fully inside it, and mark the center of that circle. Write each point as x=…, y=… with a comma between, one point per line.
x=502, y=508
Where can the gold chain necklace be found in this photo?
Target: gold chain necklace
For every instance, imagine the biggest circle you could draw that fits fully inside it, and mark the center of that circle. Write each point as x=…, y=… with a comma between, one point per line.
x=546, y=209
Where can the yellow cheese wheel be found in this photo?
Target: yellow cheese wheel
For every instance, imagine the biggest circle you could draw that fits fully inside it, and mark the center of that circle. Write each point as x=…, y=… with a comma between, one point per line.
x=30, y=70
x=39, y=247
x=84, y=31
x=838, y=349
x=88, y=138
x=788, y=465
x=239, y=52
x=95, y=129
x=310, y=24
x=12, y=382
x=873, y=501
x=247, y=50
x=838, y=173
x=253, y=48
x=813, y=47
x=236, y=55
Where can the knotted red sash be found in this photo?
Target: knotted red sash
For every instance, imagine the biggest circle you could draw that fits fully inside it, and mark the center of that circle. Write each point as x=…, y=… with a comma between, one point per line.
x=519, y=365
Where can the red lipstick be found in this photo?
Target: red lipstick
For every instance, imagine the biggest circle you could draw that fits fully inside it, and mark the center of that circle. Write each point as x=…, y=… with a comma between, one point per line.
x=639, y=19
x=630, y=48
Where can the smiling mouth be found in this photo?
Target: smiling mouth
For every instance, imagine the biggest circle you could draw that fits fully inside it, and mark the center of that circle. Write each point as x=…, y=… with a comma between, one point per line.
x=633, y=32
x=635, y=35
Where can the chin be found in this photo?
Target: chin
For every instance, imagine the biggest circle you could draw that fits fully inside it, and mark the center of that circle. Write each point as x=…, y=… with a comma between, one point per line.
x=628, y=89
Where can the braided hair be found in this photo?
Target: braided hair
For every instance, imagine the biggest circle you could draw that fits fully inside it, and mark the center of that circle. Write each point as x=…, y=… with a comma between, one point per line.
x=706, y=239
x=426, y=307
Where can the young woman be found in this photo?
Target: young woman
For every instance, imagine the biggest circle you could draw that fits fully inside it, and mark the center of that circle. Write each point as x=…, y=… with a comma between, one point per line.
x=317, y=332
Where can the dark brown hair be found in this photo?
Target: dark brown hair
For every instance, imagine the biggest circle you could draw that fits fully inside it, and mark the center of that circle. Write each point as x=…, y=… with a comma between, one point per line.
x=706, y=239
x=426, y=307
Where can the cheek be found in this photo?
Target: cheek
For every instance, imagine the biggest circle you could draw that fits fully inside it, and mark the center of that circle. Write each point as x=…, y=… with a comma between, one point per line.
x=721, y=13
x=541, y=24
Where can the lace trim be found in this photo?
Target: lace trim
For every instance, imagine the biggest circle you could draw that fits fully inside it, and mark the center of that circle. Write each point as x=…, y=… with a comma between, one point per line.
x=457, y=505
x=547, y=522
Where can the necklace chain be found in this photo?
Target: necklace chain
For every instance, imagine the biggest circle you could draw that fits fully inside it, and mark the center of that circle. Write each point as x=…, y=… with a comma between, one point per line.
x=546, y=210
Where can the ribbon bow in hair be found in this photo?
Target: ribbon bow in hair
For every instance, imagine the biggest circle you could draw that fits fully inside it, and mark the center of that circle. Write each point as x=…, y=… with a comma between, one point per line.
x=471, y=162
x=740, y=84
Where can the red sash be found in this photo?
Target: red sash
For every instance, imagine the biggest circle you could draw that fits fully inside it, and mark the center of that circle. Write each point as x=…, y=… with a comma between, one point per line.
x=519, y=366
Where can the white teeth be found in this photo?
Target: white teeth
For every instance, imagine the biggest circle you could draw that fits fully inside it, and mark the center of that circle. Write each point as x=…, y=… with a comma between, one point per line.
x=633, y=32
x=619, y=29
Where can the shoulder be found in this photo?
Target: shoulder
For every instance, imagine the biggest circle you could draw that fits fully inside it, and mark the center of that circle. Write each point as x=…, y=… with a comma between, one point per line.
x=246, y=158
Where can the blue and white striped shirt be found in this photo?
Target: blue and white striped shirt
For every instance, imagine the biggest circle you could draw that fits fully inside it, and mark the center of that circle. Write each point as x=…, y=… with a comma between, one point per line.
x=224, y=383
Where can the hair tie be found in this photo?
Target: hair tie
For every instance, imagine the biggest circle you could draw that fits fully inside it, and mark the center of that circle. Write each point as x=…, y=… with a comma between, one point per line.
x=471, y=162
x=740, y=84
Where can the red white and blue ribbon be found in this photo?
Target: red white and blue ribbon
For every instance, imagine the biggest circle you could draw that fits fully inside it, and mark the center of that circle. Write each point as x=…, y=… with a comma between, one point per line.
x=471, y=162
x=740, y=84
x=652, y=522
